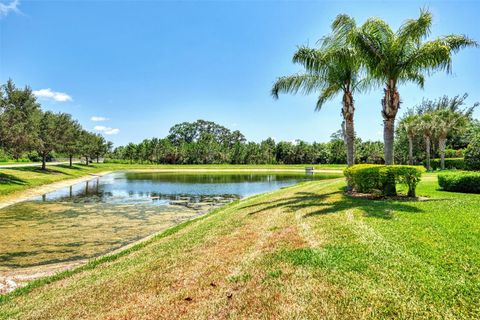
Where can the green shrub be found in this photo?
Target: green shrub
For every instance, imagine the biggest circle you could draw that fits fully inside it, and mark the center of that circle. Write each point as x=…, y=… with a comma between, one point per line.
x=472, y=154
x=370, y=178
x=453, y=153
x=450, y=163
x=462, y=181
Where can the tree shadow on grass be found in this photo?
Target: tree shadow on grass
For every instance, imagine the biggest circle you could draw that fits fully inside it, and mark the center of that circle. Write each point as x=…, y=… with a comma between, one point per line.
x=38, y=170
x=11, y=179
x=73, y=167
x=324, y=203
x=383, y=209
x=306, y=198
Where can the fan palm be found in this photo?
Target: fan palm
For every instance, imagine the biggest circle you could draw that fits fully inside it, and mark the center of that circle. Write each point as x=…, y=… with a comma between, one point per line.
x=449, y=116
x=398, y=57
x=332, y=68
x=426, y=126
x=409, y=125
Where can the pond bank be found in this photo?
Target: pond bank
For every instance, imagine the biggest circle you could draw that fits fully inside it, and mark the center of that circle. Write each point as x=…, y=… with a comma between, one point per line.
x=38, y=220
x=24, y=195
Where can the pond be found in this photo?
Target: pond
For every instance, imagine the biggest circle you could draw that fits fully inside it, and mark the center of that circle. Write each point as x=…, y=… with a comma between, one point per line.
x=93, y=218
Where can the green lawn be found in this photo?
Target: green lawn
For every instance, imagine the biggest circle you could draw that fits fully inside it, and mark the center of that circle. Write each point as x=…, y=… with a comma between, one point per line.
x=303, y=252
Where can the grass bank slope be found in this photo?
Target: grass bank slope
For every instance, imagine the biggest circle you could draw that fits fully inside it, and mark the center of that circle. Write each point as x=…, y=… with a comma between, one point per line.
x=306, y=251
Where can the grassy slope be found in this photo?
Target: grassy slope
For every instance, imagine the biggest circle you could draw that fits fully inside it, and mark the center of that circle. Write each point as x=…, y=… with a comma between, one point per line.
x=306, y=251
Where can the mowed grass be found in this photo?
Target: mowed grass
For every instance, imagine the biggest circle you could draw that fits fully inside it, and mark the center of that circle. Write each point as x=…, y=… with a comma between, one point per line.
x=303, y=252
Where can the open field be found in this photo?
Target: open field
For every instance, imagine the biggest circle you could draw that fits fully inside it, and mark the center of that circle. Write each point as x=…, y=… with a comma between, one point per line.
x=306, y=251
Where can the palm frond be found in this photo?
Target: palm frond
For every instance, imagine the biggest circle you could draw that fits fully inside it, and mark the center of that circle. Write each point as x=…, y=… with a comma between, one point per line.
x=327, y=94
x=415, y=29
x=307, y=83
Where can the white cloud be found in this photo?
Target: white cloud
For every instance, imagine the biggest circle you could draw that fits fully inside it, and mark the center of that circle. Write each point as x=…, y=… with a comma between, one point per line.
x=49, y=94
x=97, y=119
x=106, y=130
x=6, y=8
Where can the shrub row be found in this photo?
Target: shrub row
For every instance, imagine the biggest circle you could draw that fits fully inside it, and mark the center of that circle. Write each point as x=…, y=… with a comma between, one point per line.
x=370, y=178
x=462, y=181
x=450, y=163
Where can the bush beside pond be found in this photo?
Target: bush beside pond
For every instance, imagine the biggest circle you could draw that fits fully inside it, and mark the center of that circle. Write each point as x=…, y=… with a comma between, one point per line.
x=368, y=178
x=467, y=182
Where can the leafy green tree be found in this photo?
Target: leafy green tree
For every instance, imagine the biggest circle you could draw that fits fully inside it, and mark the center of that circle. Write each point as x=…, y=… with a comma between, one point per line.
x=51, y=134
x=398, y=57
x=370, y=152
x=19, y=118
x=331, y=69
x=472, y=154
x=70, y=144
x=88, y=145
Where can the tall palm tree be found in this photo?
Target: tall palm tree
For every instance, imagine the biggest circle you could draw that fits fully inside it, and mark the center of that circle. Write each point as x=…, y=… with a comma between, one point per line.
x=398, y=57
x=332, y=68
x=449, y=116
x=409, y=124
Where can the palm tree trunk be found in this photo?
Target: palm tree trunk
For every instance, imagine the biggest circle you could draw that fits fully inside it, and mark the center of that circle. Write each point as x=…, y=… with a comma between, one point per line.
x=390, y=106
x=410, y=150
x=442, y=142
x=427, y=147
x=348, y=111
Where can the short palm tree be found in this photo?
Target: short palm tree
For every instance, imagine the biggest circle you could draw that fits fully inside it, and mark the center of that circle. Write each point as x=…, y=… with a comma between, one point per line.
x=331, y=69
x=449, y=116
x=409, y=124
x=426, y=126
x=398, y=57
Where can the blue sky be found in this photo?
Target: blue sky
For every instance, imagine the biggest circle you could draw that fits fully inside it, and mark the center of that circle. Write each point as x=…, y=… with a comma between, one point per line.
x=147, y=65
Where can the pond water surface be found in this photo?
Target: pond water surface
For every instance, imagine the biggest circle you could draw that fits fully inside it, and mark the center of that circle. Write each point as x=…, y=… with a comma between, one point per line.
x=95, y=217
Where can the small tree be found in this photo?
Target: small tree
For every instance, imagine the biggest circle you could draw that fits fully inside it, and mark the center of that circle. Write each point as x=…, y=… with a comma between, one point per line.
x=472, y=154
x=426, y=127
x=19, y=119
x=448, y=117
x=409, y=124
x=71, y=145
x=50, y=134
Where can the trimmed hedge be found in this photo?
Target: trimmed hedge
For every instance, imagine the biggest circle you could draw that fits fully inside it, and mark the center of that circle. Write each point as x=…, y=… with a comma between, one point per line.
x=462, y=181
x=371, y=178
x=450, y=163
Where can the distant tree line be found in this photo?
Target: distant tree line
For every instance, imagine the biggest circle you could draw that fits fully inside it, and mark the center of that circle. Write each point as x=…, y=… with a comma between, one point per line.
x=26, y=129
x=205, y=142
